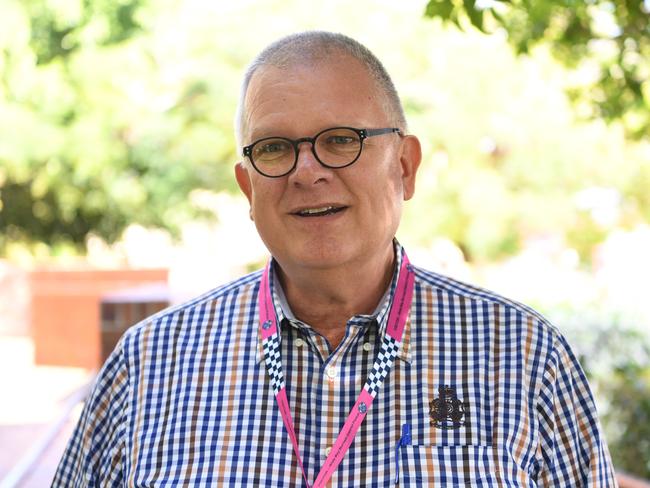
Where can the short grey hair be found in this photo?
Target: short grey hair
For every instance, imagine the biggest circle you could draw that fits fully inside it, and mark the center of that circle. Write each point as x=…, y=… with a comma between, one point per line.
x=315, y=46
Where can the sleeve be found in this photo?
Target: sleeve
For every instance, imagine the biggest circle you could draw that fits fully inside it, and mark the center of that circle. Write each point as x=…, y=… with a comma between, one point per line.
x=94, y=455
x=572, y=450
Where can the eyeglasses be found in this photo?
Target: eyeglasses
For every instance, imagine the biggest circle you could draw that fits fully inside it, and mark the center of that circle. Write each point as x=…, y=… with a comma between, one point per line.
x=337, y=147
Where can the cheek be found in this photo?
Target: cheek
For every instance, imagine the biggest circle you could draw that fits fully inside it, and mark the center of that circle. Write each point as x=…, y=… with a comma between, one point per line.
x=265, y=199
x=392, y=187
x=393, y=197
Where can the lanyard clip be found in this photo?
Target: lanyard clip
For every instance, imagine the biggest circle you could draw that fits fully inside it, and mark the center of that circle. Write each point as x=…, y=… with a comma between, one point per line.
x=405, y=440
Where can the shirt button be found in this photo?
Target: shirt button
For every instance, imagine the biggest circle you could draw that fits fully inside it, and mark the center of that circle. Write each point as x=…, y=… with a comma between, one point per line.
x=299, y=342
x=367, y=346
x=331, y=372
x=327, y=451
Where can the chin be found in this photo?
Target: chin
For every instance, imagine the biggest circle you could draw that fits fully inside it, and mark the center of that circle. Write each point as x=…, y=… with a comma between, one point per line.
x=319, y=255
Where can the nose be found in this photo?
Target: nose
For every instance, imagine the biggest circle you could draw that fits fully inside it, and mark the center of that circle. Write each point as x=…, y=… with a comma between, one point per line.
x=308, y=170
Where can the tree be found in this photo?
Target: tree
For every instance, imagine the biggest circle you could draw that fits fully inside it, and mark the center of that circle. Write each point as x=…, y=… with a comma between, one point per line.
x=97, y=129
x=607, y=42
x=113, y=111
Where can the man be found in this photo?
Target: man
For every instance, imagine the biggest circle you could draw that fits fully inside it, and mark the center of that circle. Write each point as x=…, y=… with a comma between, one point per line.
x=341, y=363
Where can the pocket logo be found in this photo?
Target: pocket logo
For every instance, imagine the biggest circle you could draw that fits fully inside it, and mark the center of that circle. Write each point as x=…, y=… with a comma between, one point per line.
x=447, y=411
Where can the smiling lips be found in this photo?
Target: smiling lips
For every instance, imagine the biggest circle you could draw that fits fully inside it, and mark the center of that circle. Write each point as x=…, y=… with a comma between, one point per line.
x=319, y=211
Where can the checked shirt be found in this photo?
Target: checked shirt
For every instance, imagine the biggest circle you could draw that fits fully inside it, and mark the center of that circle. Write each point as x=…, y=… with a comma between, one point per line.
x=491, y=391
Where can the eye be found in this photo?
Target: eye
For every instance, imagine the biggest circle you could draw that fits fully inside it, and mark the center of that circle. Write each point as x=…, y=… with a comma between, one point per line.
x=340, y=140
x=272, y=150
x=271, y=147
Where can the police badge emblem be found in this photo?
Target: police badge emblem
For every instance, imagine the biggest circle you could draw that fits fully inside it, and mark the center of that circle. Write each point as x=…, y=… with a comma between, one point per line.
x=447, y=411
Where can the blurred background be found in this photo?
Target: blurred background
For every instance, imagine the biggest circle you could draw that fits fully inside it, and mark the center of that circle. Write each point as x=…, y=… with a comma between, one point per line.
x=117, y=194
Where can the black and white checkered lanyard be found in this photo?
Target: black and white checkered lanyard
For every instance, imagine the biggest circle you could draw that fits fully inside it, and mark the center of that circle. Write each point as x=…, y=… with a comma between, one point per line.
x=391, y=343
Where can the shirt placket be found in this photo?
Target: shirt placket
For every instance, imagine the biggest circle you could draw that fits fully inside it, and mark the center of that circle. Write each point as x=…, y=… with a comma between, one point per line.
x=340, y=384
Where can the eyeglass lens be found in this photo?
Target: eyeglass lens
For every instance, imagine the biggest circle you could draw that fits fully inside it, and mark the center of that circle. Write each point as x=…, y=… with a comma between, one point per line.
x=334, y=147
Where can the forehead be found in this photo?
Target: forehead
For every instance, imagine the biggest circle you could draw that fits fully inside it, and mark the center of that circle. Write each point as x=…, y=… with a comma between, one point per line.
x=311, y=96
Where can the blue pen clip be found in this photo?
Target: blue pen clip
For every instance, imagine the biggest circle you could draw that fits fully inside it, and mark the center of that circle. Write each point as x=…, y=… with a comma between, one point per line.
x=405, y=440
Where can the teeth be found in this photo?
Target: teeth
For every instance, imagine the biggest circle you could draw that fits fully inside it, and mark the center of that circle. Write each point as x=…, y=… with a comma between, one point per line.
x=310, y=211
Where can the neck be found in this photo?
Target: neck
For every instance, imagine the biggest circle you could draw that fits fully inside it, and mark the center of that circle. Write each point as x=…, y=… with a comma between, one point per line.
x=326, y=298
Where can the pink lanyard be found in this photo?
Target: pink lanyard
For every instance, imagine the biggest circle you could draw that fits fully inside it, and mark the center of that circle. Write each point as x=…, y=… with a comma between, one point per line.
x=391, y=343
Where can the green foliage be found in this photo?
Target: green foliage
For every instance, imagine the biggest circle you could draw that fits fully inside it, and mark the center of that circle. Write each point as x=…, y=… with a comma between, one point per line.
x=116, y=122
x=59, y=28
x=628, y=419
x=97, y=130
x=608, y=41
x=505, y=160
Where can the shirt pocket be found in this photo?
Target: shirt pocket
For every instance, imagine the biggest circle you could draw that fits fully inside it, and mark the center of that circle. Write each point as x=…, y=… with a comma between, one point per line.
x=446, y=466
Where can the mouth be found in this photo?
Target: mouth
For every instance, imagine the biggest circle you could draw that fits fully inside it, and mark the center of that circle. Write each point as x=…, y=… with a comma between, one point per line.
x=319, y=211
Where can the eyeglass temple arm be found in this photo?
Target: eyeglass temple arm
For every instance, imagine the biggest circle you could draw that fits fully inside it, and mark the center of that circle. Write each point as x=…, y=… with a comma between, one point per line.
x=378, y=132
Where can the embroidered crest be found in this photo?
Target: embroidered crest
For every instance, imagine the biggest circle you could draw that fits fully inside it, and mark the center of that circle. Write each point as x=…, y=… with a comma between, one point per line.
x=447, y=411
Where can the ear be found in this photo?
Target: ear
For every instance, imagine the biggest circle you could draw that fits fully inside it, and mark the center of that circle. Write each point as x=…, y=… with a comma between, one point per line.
x=244, y=182
x=410, y=158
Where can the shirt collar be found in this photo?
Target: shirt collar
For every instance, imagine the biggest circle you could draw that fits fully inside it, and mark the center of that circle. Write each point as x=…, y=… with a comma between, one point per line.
x=284, y=314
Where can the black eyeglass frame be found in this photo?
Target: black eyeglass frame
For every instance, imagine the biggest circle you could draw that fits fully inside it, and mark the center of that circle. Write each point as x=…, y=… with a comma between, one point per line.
x=363, y=134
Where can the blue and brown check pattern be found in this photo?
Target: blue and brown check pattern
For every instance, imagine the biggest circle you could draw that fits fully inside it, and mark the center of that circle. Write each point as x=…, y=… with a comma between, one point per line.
x=185, y=399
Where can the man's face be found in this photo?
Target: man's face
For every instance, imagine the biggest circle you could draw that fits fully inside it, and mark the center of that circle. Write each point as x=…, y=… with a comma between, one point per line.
x=300, y=102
